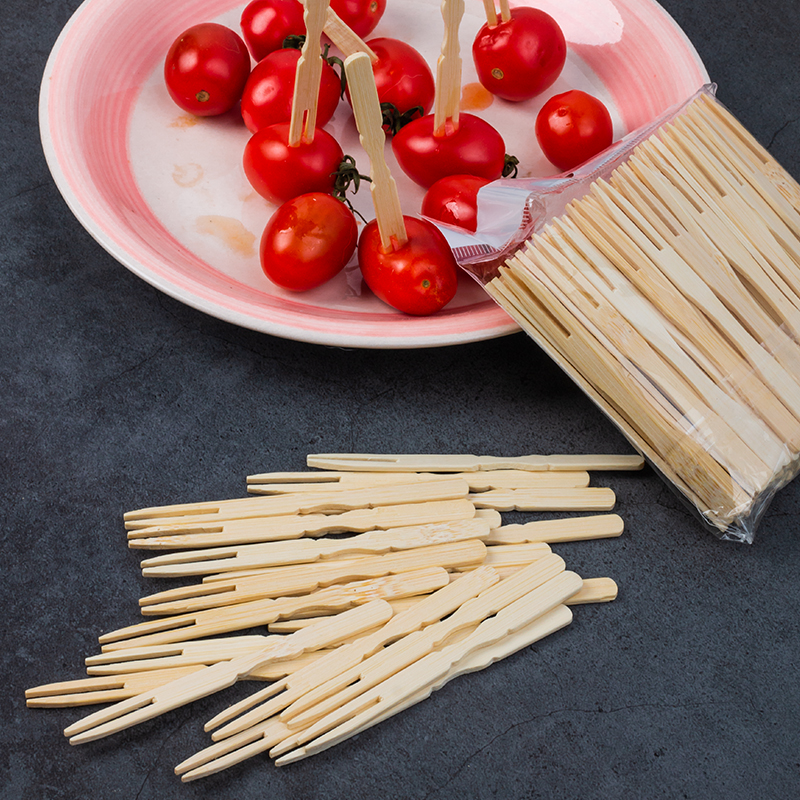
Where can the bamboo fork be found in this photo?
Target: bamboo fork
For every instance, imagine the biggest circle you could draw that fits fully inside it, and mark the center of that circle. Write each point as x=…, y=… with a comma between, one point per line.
x=256, y=556
x=209, y=680
x=288, y=482
x=309, y=503
x=276, y=582
x=173, y=536
x=362, y=462
x=264, y=735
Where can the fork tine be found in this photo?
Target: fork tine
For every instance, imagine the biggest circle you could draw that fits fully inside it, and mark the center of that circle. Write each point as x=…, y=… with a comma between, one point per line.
x=232, y=751
x=106, y=689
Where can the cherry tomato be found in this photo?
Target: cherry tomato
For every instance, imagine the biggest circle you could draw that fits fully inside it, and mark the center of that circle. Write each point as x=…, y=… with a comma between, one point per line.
x=521, y=57
x=307, y=241
x=454, y=201
x=267, y=95
x=279, y=172
x=267, y=23
x=473, y=148
x=206, y=69
x=572, y=127
x=402, y=78
x=419, y=278
x=361, y=15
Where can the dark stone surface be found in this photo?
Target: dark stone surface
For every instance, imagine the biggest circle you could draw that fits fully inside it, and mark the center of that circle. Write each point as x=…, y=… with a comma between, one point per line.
x=113, y=396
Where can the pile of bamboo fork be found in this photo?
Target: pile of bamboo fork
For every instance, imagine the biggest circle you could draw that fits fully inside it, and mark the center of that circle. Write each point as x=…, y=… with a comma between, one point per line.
x=378, y=578
x=671, y=294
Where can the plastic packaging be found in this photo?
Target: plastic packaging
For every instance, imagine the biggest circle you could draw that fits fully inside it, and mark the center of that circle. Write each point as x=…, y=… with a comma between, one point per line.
x=664, y=278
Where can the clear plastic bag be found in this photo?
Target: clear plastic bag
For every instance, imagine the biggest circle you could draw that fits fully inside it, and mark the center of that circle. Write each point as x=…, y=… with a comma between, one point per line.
x=664, y=278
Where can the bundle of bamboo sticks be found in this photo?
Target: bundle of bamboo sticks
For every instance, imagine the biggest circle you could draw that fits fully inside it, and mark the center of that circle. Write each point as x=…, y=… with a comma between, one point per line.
x=375, y=587
x=670, y=293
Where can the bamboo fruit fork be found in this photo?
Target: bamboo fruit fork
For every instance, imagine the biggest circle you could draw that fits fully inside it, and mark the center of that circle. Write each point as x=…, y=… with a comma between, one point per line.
x=211, y=512
x=263, y=736
x=369, y=122
x=690, y=187
x=290, y=482
x=374, y=462
x=271, y=554
x=294, y=526
x=209, y=680
x=308, y=73
x=280, y=582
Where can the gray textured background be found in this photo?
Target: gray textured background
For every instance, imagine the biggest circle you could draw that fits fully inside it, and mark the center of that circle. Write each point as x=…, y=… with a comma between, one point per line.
x=113, y=396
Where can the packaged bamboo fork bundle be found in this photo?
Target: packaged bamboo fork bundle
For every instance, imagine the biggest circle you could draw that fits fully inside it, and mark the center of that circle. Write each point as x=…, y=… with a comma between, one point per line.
x=664, y=278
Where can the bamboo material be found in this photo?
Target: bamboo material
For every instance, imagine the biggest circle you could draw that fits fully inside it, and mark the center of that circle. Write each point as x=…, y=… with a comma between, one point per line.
x=277, y=697
x=364, y=462
x=279, y=582
x=671, y=294
x=401, y=685
x=288, y=482
x=179, y=535
x=308, y=74
x=272, y=554
x=447, y=99
x=263, y=736
x=594, y=590
x=589, y=499
x=569, y=529
x=208, y=680
x=344, y=37
x=206, y=513
x=334, y=700
x=369, y=122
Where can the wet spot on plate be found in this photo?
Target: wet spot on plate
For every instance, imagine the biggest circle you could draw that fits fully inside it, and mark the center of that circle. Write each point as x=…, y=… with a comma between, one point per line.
x=184, y=121
x=187, y=175
x=230, y=231
x=475, y=97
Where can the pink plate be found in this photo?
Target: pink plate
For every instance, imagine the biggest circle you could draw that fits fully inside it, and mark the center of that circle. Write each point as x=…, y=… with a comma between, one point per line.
x=166, y=195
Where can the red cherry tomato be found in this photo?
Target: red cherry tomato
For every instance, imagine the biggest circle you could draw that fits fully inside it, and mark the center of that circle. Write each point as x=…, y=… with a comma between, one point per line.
x=521, y=57
x=418, y=278
x=267, y=23
x=454, y=201
x=402, y=78
x=572, y=128
x=361, y=15
x=279, y=172
x=267, y=95
x=206, y=69
x=474, y=148
x=307, y=241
